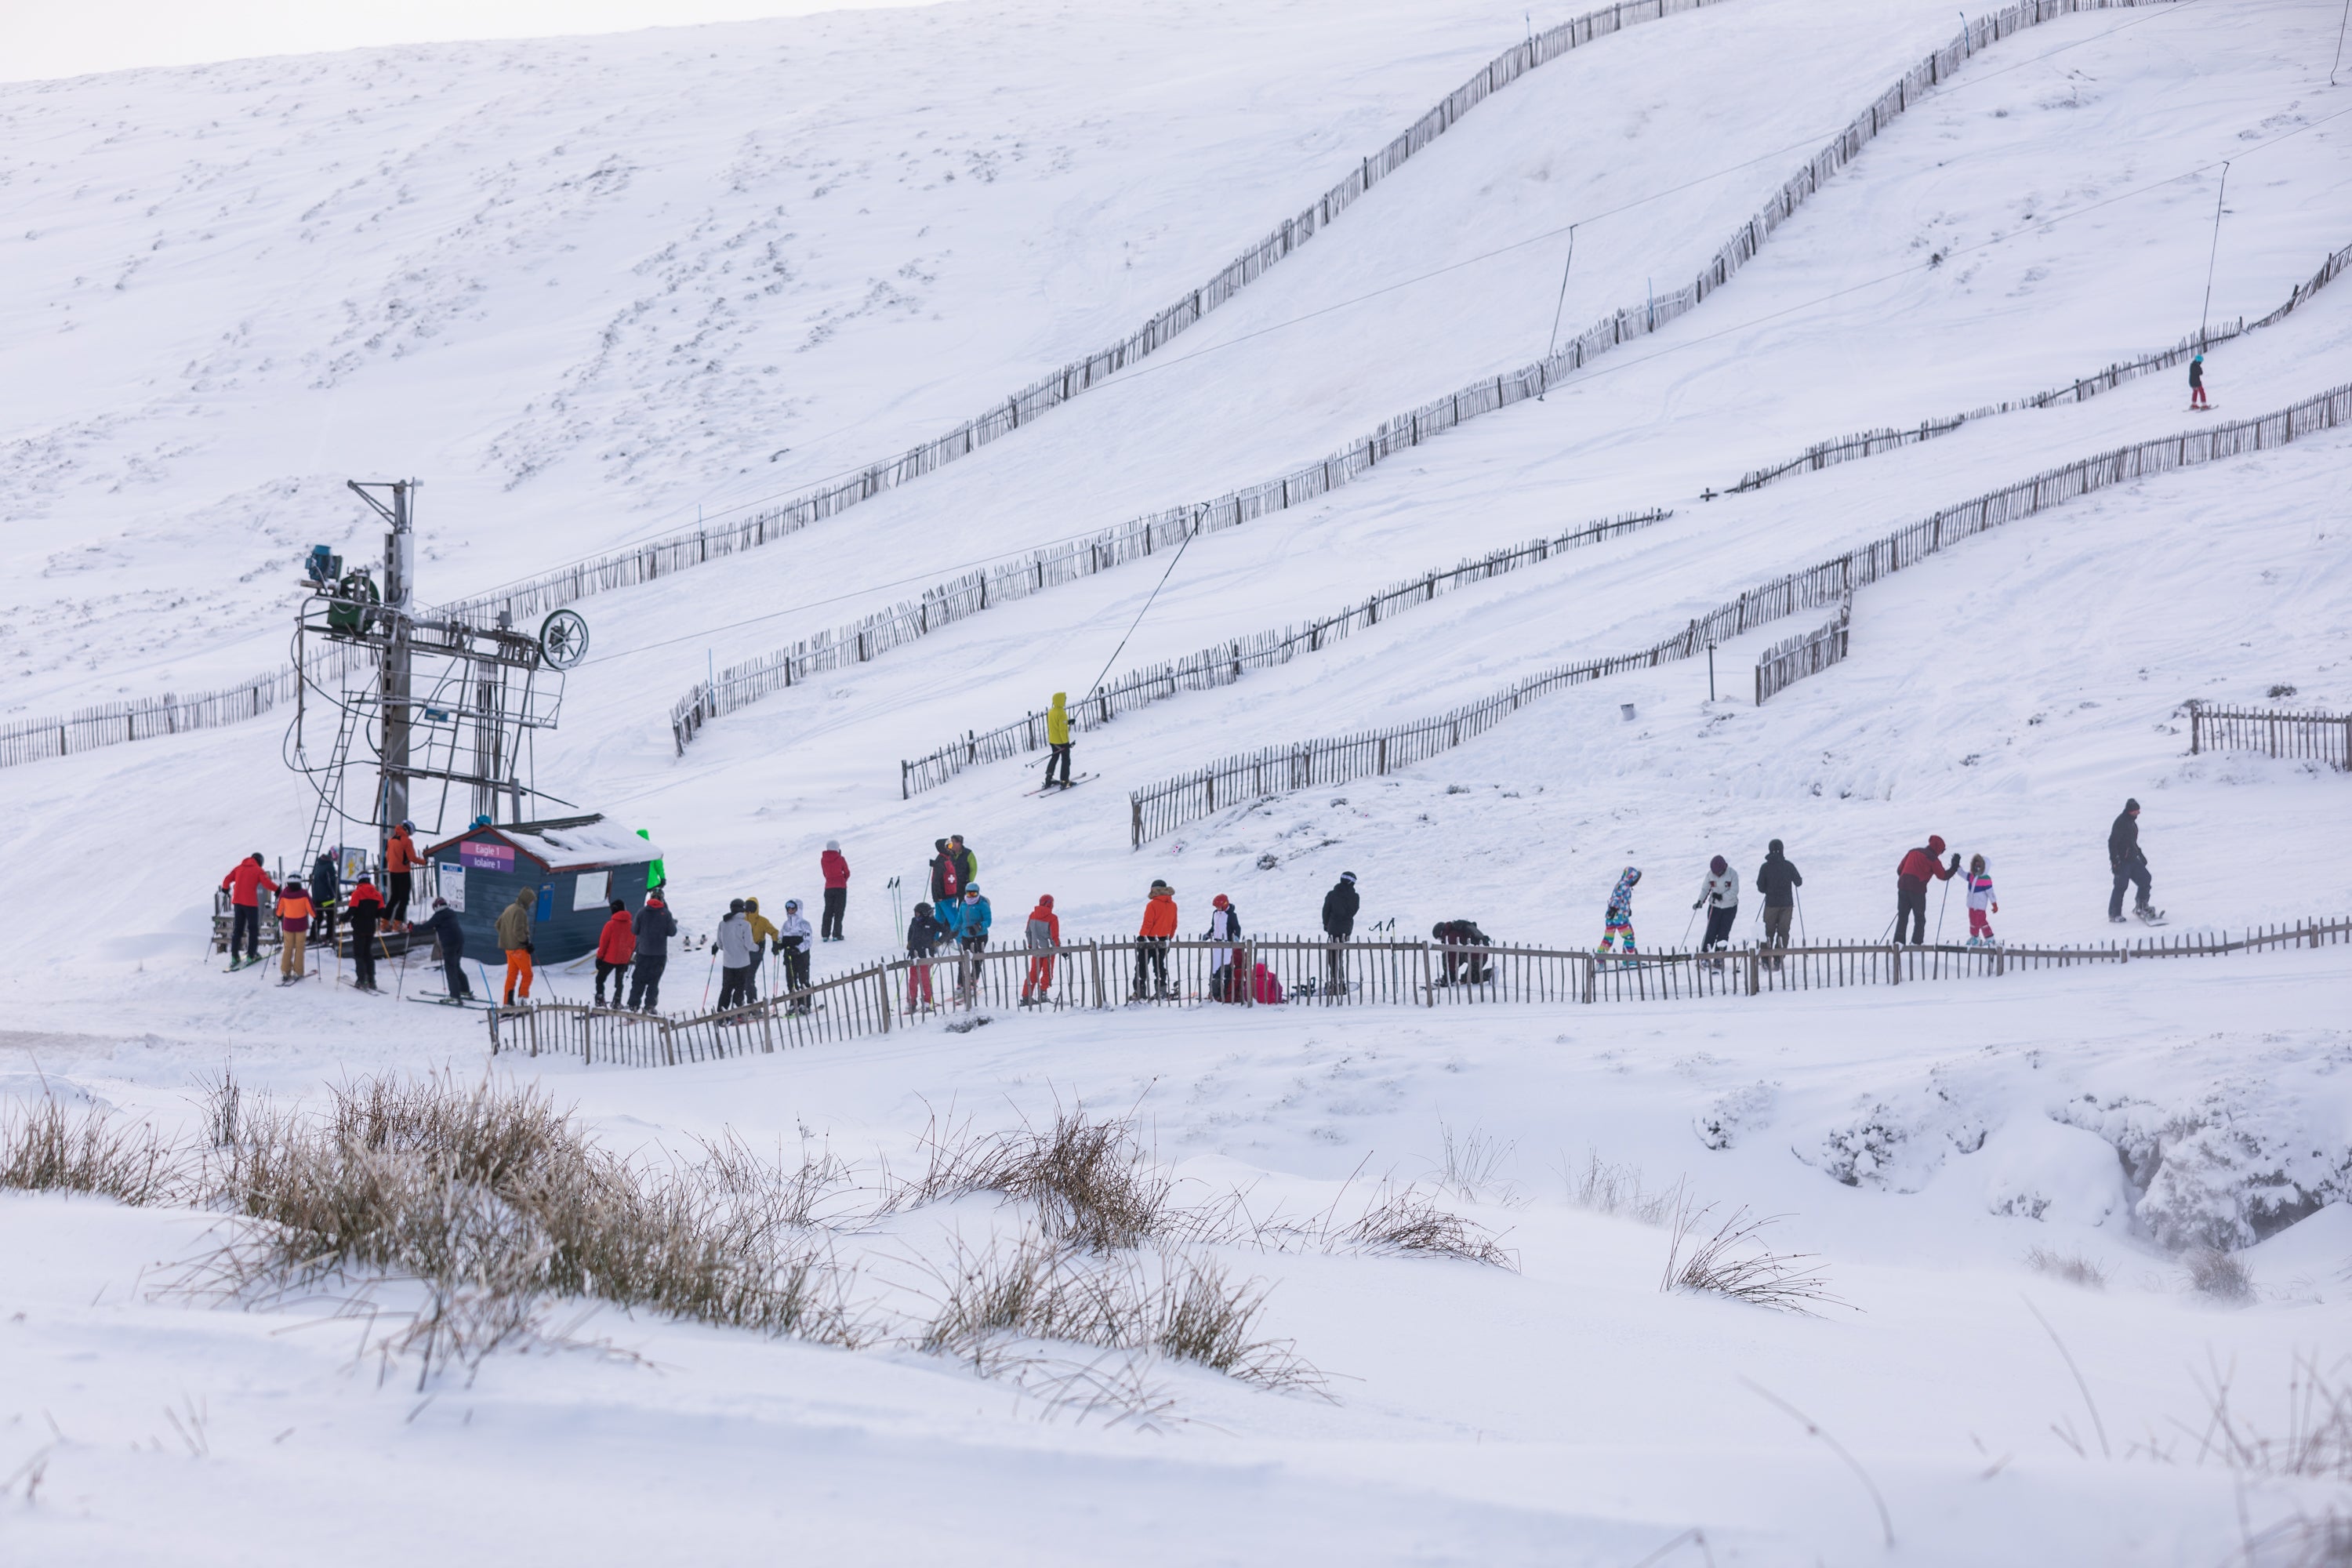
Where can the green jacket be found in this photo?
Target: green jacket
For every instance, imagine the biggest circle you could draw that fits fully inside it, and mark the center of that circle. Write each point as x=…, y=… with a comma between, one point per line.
x=514, y=921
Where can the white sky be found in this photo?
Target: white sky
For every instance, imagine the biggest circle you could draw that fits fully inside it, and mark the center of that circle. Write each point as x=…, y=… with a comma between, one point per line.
x=71, y=37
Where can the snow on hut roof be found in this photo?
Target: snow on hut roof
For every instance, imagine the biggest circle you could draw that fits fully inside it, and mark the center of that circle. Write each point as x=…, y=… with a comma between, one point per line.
x=590, y=844
x=570, y=844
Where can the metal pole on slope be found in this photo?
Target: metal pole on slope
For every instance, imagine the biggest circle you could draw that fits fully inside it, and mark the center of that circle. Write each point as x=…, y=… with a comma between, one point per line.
x=2339, y=43
x=2214, y=254
x=1553, y=344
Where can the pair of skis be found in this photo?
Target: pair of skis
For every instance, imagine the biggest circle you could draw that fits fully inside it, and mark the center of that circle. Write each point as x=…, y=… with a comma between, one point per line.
x=1057, y=785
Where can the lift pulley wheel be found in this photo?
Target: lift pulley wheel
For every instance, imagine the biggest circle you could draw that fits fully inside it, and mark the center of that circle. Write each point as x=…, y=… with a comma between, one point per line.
x=563, y=639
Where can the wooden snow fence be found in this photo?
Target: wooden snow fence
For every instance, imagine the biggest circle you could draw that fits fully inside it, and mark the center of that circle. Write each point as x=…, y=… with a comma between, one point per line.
x=1011, y=413
x=950, y=601
x=1870, y=442
x=112, y=723
x=1808, y=653
x=2295, y=737
x=964, y=990
x=861, y=641
x=1253, y=776
x=1222, y=663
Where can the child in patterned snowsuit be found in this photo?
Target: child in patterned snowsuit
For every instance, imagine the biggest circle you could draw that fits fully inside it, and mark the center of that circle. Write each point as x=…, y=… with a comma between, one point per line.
x=1619, y=918
x=1981, y=902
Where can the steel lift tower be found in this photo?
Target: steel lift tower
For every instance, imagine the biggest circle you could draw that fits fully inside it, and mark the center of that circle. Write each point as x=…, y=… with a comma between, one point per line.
x=437, y=698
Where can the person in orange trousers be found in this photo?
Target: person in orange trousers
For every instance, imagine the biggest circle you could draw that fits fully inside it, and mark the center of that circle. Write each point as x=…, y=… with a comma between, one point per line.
x=514, y=937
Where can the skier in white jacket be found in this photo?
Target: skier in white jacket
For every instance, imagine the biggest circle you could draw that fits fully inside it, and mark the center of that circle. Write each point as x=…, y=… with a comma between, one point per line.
x=792, y=938
x=1719, y=896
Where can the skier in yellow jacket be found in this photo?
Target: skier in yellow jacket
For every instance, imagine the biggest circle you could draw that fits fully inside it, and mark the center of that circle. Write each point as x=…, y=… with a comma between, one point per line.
x=1057, y=735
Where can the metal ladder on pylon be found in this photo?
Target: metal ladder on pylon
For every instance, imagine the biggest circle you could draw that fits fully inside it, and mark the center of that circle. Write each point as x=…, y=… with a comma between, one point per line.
x=330, y=791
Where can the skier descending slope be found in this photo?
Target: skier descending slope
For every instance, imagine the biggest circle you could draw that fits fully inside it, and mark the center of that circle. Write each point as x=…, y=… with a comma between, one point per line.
x=2197, y=383
x=1911, y=879
x=2130, y=866
x=1983, y=903
x=1619, y=919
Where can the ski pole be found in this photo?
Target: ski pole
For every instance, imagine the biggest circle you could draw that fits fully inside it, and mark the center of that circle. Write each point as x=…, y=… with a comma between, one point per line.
x=1688, y=923
x=1945, y=903
x=706, y=975
x=1803, y=939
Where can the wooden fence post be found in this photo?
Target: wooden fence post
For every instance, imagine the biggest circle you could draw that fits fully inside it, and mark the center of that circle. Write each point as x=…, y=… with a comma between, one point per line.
x=1428, y=992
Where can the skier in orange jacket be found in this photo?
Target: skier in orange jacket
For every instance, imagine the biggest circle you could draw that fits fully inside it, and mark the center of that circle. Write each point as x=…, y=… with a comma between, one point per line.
x=1151, y=942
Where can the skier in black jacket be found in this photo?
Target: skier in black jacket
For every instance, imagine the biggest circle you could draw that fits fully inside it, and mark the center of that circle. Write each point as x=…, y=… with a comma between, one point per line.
x=1777, y=880
x=1469, y=968
x=2129, y=866
x=655, y=925
x=924, y=934
x=1339, y=906
x=326, y=891
x=445, y=929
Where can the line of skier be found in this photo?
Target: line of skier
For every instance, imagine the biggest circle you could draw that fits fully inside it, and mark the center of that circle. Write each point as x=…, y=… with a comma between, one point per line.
x=958, y=920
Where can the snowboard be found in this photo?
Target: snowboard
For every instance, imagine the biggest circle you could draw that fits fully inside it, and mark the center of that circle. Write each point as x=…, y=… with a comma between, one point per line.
x=1076, y=780
x=2150, y=917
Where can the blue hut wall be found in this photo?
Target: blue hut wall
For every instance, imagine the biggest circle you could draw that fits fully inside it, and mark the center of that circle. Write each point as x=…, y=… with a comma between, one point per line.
x=560, y=933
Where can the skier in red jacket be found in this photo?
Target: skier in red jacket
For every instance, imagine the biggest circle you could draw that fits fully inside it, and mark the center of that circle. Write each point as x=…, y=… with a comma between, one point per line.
x=245, y=884
x=1911, y=880
x=616, y=944
x=837, y=890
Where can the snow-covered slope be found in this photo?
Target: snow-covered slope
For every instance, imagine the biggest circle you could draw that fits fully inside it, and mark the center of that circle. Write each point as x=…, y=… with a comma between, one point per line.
x=2007, y=694
x=583, y=287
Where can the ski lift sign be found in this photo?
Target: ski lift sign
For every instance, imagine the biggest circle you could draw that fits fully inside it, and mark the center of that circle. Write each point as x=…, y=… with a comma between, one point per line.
x=475, y=855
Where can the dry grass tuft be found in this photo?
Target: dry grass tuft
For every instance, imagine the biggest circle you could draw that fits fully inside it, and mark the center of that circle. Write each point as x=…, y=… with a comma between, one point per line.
x=2072, y=1268
x=1045, y=1287
x=1617, y=1191
x=44, y=1147
x=494, y=1201
x=2221, y=1276
x=1735, y=1262
x=1408, y=1220
x=1474, y=1163
x=2315, y=1441
x=1092, y=1181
